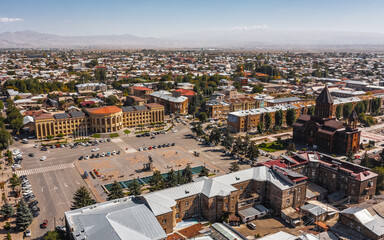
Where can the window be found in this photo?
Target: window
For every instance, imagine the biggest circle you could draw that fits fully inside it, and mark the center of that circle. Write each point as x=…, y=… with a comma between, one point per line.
x=164, y=220
x=288, y=201
x=195, y=210
x=177, y=215
x=241, y=188
x=186, y=203
x=186, y=212
x=195, y=201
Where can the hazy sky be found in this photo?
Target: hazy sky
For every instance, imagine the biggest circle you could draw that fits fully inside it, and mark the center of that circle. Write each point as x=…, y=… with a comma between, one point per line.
x=160, y=18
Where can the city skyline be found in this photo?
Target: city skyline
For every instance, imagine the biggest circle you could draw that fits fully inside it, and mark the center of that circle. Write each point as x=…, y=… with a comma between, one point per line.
x=173, y=18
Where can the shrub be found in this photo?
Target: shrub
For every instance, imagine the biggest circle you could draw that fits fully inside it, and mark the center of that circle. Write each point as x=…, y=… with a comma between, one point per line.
x=127, y=131
x=96, y=135
x=113, y=135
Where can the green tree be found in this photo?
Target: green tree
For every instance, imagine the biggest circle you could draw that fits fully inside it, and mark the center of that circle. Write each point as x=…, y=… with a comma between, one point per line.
x=134, y=187
x=339, y=111
x=171, y=179
x=54, y=235
x=376, y=105
x=360, y=107
x=252, y=151
x=7, y=211
x=82, y=198
x=291, y=117
x=258, y=89
x=112, y=100
x=347, y=110
x=260, y=127
x=5, y=139
x=311, y=110
x=157, y=181
x=279, y=115
x=238, y=146
x=23, y=216
x=234, y=167
x=16, y=124
x=198, y=129
x=268, y=121
x=365, y=161
x=349, y=156
x=1, y=105
x=204, y=172
x=187, y=174
x=227, y=141
x=116, y=191
x=203, y=117
x=215, y=136
x=380, y=178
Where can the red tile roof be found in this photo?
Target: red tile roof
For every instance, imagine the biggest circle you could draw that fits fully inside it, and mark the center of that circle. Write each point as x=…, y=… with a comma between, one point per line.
x=104, y=110
x=141, y=88
x=185, y=92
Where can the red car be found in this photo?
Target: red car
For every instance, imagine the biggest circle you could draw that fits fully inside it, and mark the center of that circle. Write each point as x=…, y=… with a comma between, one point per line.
x=44, y=224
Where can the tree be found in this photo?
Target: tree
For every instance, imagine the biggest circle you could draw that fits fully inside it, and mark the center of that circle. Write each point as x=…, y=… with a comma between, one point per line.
x=54, y=235
x=279, y=115
x=16, y=124
x=82, y=198
x=6, y=211
x=252, y=151
x=365, y=160
x=382, y=155
x=5, y=139
x=238, y=146
x=116, y=191
x=349, y=156
x=171, y=179
x=187, y=174
x=134, y=187
x=339, y=111
x=215, y=136
x=258, y=89
x=1, y=105
x=291, y=117
x=311, y=110
x=204, y=172
x=203, y=117
x=112, y=100
x=376, y=105
x=347, y=110
x=260, y=127
x=227, y=140
x=380, y=179
x=234, y=167
x=23, y=216
x=157, y=181
x=359, y=107
x=268, y=121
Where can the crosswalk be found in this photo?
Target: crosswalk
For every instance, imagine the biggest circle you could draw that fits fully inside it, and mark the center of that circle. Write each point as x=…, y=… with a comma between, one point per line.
x=44, y=169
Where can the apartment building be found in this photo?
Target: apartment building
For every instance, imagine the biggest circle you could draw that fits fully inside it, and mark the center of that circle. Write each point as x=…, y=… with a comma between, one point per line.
x=96, y=120
x=176, y=105
x=91, y=87
x=243, y=121
x=139, y=91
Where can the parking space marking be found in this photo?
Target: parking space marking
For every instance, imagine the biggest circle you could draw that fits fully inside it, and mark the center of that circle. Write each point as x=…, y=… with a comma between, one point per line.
x=45, y=169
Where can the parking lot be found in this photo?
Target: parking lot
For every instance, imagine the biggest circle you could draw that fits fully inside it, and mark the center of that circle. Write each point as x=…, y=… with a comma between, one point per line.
x=55, y=180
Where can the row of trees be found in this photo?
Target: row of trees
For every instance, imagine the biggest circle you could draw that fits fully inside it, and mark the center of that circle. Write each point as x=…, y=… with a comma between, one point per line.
x=35, y=86
x=23, y=214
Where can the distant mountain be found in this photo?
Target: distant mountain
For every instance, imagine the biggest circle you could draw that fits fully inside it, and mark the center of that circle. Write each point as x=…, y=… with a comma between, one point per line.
x=230, y=39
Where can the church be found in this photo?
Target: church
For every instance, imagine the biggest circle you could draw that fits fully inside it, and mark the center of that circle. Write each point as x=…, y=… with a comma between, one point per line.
x=324, y=131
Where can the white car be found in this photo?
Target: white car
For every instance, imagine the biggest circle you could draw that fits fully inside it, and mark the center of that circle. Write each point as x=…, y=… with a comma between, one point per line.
x=86, y=157
x=43, y=158
x=27, y=233
x=95, y=149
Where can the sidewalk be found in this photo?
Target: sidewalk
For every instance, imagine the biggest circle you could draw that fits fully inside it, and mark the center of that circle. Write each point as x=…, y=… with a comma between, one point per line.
x=94, y=191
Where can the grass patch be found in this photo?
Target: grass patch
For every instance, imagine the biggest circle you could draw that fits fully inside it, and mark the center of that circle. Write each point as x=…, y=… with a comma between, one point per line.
x=159, y=129
x=273, y=146
x=82, y=140
x=113, y=135
x=140, y=132
x=127, y=131
x=96, y=135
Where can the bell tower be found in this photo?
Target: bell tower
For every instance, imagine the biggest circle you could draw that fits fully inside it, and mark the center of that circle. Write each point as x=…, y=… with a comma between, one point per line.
x=352, y=120
x=324, y=105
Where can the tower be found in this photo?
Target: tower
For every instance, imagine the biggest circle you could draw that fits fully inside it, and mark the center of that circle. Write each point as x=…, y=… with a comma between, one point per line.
x=352, y=120
x=324, y=104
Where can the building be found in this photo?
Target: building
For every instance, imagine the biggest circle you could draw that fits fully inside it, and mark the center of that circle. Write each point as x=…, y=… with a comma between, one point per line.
x=123, y=219
x=280, y=101
x=241, y=103
x=139, y=91
x=97, y=120
x=344, y=181
x=176, y=105
x=135, y=101
x=184, y=92
x=91, y=87
x=347, y=93
x=324, y=132
x=217, y=108
x=212, y=197
x=244, y=121
x=367, y=221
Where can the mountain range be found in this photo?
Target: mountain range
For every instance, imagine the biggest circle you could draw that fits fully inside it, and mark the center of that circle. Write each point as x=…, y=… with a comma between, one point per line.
x=230, y=39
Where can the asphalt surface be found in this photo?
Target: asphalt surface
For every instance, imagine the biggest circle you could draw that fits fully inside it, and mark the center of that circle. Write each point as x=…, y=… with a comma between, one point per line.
x=55, y=180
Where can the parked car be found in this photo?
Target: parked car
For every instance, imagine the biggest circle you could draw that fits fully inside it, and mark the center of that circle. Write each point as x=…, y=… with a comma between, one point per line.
x=27, y=233
x=118, y=153
x=34, y=203
x=35, y=146
x=251, y=225
x=43, y=158
x=31, y=154
x=86, y=157
x=81, y=158
x=44, y=224
x=35, y=214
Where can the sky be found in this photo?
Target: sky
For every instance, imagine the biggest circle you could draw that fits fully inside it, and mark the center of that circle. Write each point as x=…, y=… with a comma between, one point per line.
x=165, y=18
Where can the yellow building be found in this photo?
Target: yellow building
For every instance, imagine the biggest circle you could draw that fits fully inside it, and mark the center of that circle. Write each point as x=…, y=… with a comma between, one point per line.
x=97, y=120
